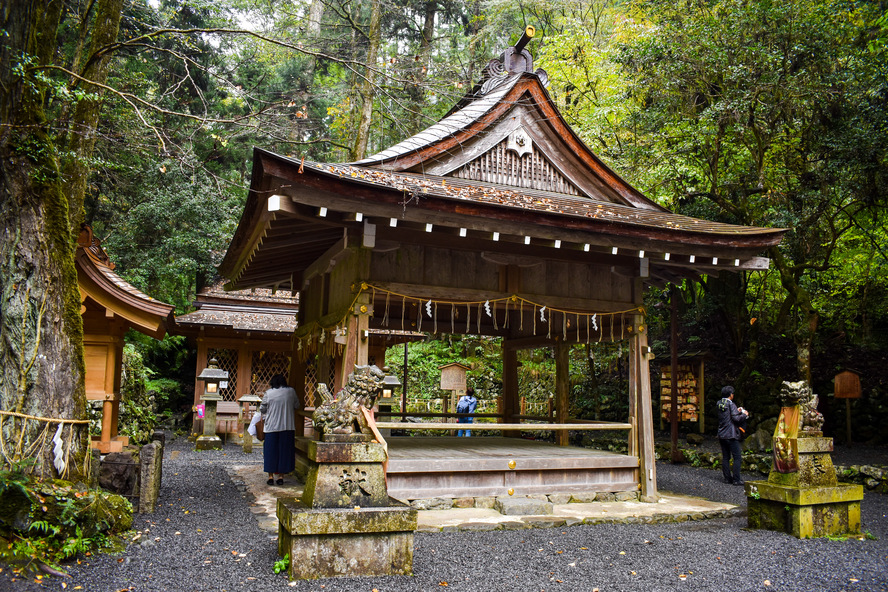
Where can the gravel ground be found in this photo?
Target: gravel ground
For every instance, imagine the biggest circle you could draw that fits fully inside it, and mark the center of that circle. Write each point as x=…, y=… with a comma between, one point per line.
x=204, y=538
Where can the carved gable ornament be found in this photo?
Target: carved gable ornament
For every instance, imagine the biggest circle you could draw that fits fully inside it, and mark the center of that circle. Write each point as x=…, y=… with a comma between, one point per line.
x=519, y=142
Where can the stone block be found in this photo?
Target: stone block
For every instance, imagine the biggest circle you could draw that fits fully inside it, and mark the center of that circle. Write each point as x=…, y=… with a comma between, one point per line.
x=346, y=452
x=583, y=498
x=605, y=496
x=626, y=496
x=559, y=498
x=804, y=512
x=299, y=519
x=119, y=473
x=151, y=467
x=485, y=502
x=479, y=526
x=522, y=506
x=432, y=503
x=333, y=542
x=208, y=443
x=544, y=521
x=345, y=485
x=464, y=502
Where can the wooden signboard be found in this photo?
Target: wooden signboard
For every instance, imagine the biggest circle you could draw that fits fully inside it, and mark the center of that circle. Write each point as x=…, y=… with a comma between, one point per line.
x=453, y=377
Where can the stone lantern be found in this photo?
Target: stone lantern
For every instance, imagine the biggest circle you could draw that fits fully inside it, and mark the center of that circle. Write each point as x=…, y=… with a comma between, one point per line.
x=388, y=398
x=211, y=376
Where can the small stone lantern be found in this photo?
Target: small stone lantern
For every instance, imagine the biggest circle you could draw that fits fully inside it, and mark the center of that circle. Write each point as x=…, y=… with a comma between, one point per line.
x=211, y=376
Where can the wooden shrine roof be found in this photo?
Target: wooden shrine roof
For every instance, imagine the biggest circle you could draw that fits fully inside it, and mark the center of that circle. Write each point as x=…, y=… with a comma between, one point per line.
x=282, y=232
x=501, y=173
x=254, y=311
x=258, y=311
x=97, y=281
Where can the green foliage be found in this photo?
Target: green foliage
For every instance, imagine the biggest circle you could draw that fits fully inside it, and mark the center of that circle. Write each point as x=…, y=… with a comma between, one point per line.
x=282, y=565
x=481, y=354
x=47, y=522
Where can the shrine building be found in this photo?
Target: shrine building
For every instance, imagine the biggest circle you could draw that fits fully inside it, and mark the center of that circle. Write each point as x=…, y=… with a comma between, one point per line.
x=497, y=220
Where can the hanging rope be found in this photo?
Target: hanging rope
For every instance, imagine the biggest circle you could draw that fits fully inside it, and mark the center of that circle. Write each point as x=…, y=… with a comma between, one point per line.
x=43, y=439
x=314, y=335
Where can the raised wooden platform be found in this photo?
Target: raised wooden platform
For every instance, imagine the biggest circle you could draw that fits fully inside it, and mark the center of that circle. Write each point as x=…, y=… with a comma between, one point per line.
x=424, y=467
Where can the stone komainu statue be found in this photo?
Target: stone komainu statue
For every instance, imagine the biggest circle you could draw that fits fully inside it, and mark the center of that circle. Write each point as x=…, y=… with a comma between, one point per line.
x=342, y=414
x=800, y=393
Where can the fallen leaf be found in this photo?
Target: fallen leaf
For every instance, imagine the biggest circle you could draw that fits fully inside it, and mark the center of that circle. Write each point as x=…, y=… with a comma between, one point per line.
x=767, y=582
x=622, y=552
x=444, y=584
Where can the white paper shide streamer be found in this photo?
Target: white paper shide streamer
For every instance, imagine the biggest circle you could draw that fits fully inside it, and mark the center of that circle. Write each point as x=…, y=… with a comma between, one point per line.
x=59, y=454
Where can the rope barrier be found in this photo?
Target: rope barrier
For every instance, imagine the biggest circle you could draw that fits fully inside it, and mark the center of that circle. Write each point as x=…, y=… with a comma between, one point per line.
x=315, y=333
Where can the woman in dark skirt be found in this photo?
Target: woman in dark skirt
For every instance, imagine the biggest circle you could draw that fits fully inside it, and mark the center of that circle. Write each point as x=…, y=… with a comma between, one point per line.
x=278, y=409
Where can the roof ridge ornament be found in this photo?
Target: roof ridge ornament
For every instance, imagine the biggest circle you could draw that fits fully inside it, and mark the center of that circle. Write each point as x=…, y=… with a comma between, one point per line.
x=514, y=60
x=93, y=247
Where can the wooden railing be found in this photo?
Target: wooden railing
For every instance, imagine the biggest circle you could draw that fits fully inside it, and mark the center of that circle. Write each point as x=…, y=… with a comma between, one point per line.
x=543, y=425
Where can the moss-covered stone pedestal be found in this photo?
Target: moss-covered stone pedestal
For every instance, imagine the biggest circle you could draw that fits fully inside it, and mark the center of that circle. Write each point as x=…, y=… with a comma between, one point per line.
x=331, y=542
x=345, y=523
x=804, y=500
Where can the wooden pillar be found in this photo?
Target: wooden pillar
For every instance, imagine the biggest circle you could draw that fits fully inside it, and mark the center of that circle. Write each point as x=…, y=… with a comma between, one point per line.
x=244, y=370
x=201, y=363
x=562, y=390
x=510, y=389
x=297, y=381
x=644, y=421
x=357, y=343
x=633, y=399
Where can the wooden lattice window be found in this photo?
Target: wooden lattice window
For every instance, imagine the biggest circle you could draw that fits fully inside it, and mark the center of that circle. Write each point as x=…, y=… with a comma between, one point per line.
x=311, y=382
x=265, y=365
x=312, y=379
x=226, y=359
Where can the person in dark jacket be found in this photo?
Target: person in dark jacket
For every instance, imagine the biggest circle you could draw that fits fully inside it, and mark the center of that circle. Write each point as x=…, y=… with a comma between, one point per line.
x=467, y=404
x=730, y=417
x=278, y=409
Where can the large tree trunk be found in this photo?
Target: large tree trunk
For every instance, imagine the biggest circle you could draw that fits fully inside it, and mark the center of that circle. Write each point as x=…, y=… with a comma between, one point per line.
x=82, y=137
x=366, y=86
x=41, y=331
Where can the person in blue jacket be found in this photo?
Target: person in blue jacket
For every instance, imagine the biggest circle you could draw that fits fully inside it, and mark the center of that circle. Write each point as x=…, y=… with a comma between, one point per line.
x=466, y=404
x=730, y=417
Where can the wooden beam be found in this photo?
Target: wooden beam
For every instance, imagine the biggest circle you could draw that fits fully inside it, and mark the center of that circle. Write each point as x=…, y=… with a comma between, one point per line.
x=326, y=262
x=471, y=295
x=561, y=427
x=703, y=264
